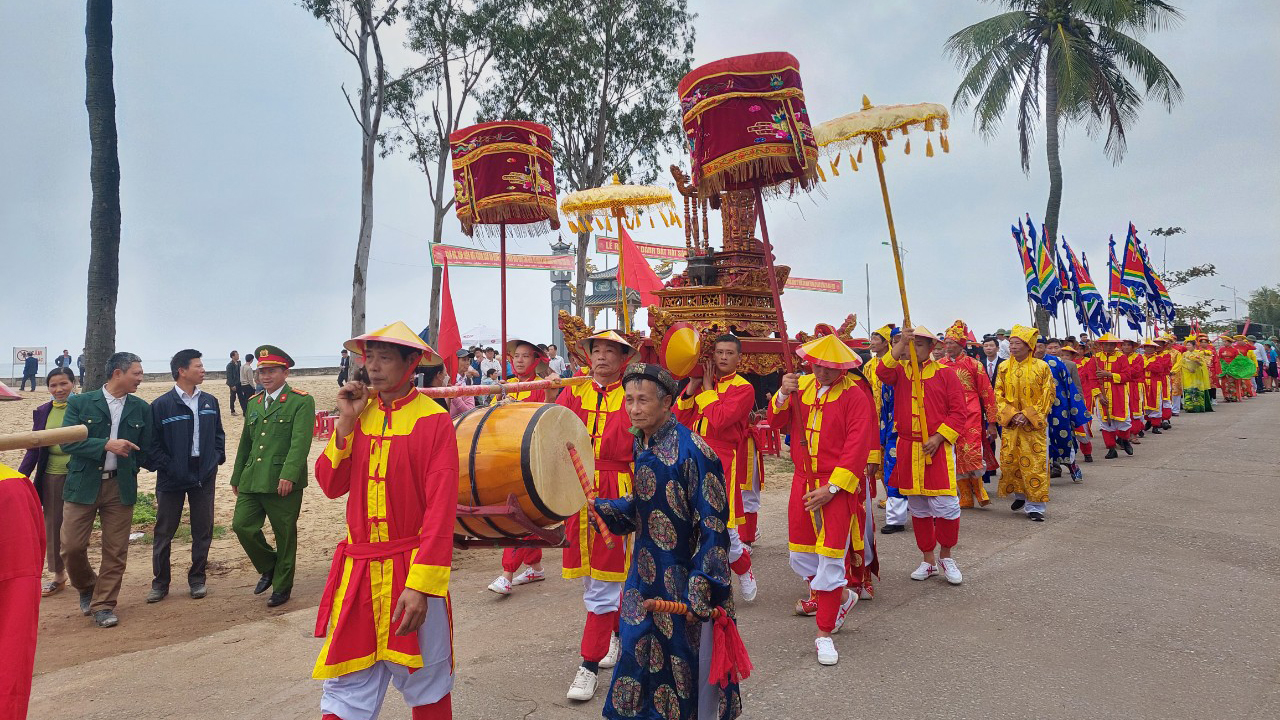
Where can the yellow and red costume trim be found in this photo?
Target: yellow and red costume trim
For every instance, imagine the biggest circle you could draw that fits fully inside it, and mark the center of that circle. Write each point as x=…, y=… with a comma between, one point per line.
x=722, y=416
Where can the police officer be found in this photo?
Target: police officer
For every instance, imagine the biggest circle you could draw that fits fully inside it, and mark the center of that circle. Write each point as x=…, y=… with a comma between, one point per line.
x=270, y=472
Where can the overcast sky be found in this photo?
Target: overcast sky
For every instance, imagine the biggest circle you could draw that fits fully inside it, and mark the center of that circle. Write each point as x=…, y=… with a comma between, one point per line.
x=240, y=176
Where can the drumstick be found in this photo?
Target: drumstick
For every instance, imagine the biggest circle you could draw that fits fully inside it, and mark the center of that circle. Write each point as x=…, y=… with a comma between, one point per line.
x=452, y=391
x=589, y=492
x=44, y=438
x=673, y=607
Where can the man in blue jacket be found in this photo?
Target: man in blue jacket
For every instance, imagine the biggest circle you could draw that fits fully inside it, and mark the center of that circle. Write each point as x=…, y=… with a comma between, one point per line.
x=189, y=447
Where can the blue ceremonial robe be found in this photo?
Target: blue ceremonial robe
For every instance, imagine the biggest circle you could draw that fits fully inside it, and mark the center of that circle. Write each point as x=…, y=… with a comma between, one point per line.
x=1068, y=412
x=888, y=439
x=677, y=512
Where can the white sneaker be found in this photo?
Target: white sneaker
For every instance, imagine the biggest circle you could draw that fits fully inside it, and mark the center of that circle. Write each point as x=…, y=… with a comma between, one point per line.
x=951, y=571
x=747, y=584
x=583, y=686
x=615, y=649
x=529, y=576
x=845, y=607
x=502, y=585
x=827, y=654
x=924, y=572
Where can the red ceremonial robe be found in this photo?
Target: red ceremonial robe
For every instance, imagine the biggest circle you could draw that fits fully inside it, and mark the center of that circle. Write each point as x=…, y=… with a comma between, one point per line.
x=832, y=438
x=399, y=470
x=1136, y=385
x=979, y=401
x=721, y=416
x=944, y=415
x=21, y=563
x=1158, y=367
x=1116, y=388
x=601, y=410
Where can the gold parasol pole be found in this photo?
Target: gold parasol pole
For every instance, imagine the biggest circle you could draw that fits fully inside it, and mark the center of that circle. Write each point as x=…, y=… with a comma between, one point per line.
x=625, y=318
x=502, y=255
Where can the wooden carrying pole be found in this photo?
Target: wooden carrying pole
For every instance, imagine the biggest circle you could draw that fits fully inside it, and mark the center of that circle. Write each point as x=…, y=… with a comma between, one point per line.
x=787, y=361
x=502, y=264
x=452, y=391
x=624, y=319
x=43, y=438
x=917, y=384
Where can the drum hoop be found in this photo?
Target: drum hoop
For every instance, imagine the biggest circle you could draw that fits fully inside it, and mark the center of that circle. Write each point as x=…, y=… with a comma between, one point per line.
x=531, y=491
x=471, y=469
x=464, y=522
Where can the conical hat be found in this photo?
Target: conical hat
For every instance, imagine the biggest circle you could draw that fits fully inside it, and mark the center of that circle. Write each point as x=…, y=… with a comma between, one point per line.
x=539, y=356
x=585, y=343
x=397, y=333
x=7, y=393
x=1107, y=338
x=829, y=351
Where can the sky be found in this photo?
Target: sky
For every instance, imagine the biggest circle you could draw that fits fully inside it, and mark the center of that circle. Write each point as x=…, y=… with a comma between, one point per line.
x=240, y=176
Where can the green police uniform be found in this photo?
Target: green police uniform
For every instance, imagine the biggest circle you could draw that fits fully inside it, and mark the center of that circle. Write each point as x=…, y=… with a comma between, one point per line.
x=273, y=447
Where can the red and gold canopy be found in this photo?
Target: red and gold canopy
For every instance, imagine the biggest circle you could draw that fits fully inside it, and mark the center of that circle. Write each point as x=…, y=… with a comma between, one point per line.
x=503, y=172
x=746, y=124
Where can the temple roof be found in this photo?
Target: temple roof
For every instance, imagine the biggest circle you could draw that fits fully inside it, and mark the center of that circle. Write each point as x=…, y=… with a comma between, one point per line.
x=610, y=297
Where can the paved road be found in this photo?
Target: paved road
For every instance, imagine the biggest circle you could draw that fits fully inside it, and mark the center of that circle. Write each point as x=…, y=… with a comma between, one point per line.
x=1151, y=592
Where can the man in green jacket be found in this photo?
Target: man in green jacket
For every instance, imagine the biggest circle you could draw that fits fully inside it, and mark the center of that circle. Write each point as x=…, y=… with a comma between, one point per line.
x=102, y=483
x=270, y=472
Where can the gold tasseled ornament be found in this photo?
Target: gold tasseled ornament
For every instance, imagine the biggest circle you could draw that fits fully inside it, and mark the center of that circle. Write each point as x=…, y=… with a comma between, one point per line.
x=573, y=228
x=599, y=225
x=880, y=153
x=652, y=224
x=903, y=130
x=676, y=219
x=928, y=148
x=821, y=175
x=945, y=124
x=854, y=163
x=608, y=224
x=946, y=144
x=859, y=154
x=835, y=166
x=906, y=150
x=665, y=221
x=928, y=125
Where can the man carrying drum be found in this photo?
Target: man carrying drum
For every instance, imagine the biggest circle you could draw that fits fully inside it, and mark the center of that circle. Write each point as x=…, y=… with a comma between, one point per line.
x=603, y=569
x=385, y=609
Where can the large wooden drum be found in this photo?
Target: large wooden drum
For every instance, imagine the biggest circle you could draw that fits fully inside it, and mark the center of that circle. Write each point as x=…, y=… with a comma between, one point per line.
x=519, y=448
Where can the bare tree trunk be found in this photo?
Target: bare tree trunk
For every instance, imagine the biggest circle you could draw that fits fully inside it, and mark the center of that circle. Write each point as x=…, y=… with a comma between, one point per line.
x=104, y=176
x=360, y=279
x=1055, y=177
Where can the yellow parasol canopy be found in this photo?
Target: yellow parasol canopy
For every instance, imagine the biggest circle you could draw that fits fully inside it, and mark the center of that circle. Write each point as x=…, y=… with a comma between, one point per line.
x=614, y=199
x=879, y=121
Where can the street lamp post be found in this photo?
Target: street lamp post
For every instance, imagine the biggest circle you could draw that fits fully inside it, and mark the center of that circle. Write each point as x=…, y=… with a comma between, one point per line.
x=1235, y=307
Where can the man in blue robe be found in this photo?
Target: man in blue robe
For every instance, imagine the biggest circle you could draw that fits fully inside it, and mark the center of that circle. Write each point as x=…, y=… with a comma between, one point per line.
x=1068, y=411
x=677, y=513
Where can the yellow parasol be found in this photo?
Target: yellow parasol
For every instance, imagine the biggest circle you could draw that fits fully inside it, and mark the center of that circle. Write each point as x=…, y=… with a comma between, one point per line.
x=875, y=125
x=614, y=200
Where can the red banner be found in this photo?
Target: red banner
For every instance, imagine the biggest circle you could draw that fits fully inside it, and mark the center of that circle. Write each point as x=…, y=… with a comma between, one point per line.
x=609, y=246
x=815, y=284
x=470, y=257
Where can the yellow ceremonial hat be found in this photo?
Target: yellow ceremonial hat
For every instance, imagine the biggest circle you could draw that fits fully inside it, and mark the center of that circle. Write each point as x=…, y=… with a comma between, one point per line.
x=887, y=332
x=609, y=336
x=1026, y=334
x=922, y=331
x=1107, y=338
x=829, y=351
x=397, y=333
x=1148, y=342
x=958, y=332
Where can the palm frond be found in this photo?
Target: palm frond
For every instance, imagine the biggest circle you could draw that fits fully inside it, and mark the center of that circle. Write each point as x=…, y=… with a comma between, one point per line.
x=969, y=45
x=1029, y=110
x=1157, y=78
x=1000, y=87
x=1131, y=15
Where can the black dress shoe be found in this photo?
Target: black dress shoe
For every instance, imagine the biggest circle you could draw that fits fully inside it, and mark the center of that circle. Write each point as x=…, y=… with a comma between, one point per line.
x=1111, y=454
x=1127, y=447
x=198, y=591
x=1035, y=516
x=1088, y=458
x=891, y=529
x=105, y=619
x=1055, y=471
x=264, y=583
x=86, y=599
x=1156, y=431
x=278, y=598
x=157, y=594
x=1142, y=433
x=1017, y=504
x=1166, y=425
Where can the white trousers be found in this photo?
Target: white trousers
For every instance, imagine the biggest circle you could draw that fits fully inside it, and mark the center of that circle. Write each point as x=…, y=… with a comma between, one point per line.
x=708, y=692
x=946, y=507
x=1116, y=425
x=358, y=695
x=827, y=572
x=895, y=511
x=599, y=596
x=1175, y=404
x=751, y=495
x=1031, y=507
x=736, y=548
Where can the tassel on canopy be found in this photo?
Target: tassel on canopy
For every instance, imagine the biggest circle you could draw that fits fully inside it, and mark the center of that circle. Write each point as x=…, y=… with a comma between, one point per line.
x=859, y=154
x=907, y=149
x=821, y=175
x=835, y=166
x=854, y=163
x=928, y=125
x=651, y=223
x=928, y=148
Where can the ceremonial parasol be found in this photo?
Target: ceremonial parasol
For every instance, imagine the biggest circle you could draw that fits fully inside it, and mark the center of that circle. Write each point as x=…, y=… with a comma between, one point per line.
x=503, y=174
x=747, y=128
x=875, y=125
x=614, y=200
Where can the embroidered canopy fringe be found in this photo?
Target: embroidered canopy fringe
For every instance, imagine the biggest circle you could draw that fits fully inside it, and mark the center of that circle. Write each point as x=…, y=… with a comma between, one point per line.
x=750, y=173
x=606, y=201
x=521, y=229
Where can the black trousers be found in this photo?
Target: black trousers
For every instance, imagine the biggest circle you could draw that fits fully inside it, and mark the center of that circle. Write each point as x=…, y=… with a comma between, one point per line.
x=168, y=516
x=234, y=390
x=246, y=392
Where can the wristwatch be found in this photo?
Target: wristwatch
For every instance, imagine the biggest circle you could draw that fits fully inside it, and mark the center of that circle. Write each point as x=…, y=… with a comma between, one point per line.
x=833, y=488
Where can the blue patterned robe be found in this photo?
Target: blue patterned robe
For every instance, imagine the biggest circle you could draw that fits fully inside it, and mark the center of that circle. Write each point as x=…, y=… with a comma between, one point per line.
x=681, y=552
x=1068, y=412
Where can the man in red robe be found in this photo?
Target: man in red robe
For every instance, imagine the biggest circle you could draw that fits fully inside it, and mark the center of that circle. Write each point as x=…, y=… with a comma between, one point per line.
x=718, y=408
x=1136, y=386
x=926, y=469
x=1110, y=374
x=832, y=421
x=22, y=545
x=1159, y=363
x=979, y=402
x=527, y=360
x=603, y=569
x=385, y=609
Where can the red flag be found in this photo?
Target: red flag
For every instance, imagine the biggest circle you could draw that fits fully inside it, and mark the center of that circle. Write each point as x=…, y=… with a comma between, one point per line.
x=637, y=273
x=448, y=339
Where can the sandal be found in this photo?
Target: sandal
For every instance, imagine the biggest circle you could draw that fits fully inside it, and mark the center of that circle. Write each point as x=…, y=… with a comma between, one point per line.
x=53, y=587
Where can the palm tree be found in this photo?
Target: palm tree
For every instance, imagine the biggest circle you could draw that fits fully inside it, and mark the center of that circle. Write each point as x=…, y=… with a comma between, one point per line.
x=104, y=176
x=1075, y=55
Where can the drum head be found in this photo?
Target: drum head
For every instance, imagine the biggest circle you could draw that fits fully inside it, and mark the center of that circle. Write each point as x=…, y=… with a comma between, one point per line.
x=549, y=463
